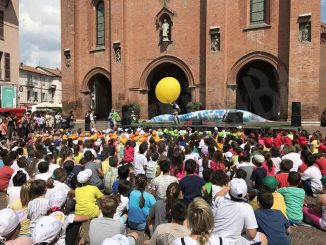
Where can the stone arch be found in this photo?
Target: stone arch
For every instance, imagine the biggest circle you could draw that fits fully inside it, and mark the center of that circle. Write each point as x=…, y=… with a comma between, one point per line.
x=97, y=92
x=143, y=85
x=282, y=78
x=92, y=73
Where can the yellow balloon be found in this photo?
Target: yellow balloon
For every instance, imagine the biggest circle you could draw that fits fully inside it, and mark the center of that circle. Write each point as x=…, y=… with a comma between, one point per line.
x=168, y=90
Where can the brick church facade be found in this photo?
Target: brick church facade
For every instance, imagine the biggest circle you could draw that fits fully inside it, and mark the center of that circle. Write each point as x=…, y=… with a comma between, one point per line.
x=256, y=55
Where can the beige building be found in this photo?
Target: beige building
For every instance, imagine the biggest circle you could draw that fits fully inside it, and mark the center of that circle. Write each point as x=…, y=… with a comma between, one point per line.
x=9, y=50
x=38, y=85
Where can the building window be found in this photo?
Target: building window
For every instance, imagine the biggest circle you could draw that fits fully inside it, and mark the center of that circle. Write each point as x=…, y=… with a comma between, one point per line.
x=100, y=24
x=1, y=25
x=258, y=11
x=35, y=96
x=43, y=81
x=29, y=95
x=44, y=97
x=7, y=66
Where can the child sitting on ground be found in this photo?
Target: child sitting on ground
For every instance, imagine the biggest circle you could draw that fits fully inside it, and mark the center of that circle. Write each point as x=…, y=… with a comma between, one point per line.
x=122, y=209
x=87, y=195
x=311, y=177
x=192, y=185
x=152, y=166
x=282, y=176
x=39, y=205
x=258, y=173
x=272, y=222
x=294, y=198
x=123, y=173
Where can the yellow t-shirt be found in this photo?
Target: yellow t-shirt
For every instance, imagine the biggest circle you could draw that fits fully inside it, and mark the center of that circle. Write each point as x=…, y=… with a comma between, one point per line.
x=314, y=146
x=25, y=223
x=86, y=197
x=78, y=157
x=105, y=166
x=279, y=203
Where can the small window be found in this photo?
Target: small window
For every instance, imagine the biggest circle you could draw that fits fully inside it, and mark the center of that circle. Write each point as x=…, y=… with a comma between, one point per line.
x=1, y=25
x=29, y=95
x=35, y=96
x=7, y=66
x=44, y=97
x=258, y=11
x=100, y=24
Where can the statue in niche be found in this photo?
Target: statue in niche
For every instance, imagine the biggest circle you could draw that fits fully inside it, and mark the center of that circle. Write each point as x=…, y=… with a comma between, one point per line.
x=215, y=42
x=118, y=54
x=305, y=32
x=165, y=30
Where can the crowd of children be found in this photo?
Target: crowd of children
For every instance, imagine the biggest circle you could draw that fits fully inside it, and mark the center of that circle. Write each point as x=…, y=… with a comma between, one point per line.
x=162, y=186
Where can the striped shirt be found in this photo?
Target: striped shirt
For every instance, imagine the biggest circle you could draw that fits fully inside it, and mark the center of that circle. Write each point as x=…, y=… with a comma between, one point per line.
x=36, y=209
x=161, y=183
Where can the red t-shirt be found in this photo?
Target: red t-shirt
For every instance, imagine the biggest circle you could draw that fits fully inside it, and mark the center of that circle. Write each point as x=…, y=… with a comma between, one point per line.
x=269, y=172
x=302, y=168
x=5, y=175
x=322, y=165
x=217, y=166
x=282, y=179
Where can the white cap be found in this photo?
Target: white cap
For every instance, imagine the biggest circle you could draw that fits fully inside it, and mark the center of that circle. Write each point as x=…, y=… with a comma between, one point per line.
x=238, y=188
x=259, y=158
x=58, y=199
x=84, y=176
x=8, y=222
x=228, y=154
x=46, y=230
x=116, y=240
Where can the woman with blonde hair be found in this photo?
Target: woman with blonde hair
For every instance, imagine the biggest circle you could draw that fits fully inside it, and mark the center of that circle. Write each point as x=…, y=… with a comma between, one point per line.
x=201, y=223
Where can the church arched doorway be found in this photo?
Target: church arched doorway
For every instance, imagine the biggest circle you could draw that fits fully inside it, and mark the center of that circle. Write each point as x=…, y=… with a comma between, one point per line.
x=100, y=95
x=258, y=89
x=167, y=69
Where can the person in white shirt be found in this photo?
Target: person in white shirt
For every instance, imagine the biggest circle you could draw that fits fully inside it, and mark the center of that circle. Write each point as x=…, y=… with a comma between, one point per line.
x=232, y=216
x=292, y=155
x=43, y=168
x=140, y=160
x=13, y=192
x=57, y=181
x=21, y=163
x=311, y=177
x=92, y=117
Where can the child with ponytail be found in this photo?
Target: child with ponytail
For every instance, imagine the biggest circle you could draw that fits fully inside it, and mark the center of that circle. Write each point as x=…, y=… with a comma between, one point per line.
x=269, y=165
x=140, y=203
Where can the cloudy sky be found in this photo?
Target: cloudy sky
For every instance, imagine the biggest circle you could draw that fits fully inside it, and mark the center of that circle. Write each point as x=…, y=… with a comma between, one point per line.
x=40, y=31
x=40, y=35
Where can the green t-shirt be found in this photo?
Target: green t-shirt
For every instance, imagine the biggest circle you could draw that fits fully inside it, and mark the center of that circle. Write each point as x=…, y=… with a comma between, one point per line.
x=294, y=199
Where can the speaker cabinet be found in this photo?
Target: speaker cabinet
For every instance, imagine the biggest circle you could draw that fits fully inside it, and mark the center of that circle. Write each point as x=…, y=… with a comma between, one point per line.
x=234, y=117
x=296, y=121
x=296, y=108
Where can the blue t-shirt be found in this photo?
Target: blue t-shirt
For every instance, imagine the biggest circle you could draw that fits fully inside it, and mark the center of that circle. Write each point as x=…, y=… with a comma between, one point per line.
x=115, y=186
x=191, y=187
x=273, y=224
x=1, y=163
x=135, y=213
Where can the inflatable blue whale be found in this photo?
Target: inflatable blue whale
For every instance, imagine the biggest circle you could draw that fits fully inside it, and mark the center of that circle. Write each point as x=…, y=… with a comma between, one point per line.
x=209, y=115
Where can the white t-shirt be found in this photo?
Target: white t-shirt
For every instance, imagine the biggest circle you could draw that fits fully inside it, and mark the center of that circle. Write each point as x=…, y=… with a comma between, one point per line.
x=52, y=167
x=189, y=241
x=313, y=173
x=295, y=158
x=230, y=218
x=123, y=206
x=58, y=186
x=139, y=162
x=14, y=165
x=13, y=193
x=43, y=176
x=216, y=189
x=11, y=183
x=277, y=162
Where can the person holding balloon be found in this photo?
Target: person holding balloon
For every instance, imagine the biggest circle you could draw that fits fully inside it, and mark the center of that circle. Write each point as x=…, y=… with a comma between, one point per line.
x=167, y=92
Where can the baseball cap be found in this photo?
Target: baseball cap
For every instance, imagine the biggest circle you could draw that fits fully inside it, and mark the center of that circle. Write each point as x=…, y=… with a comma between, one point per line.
x=84, y=176
x=259, y=158
x=238, y=188
x=46, y=229
x=8, y=222
x=57, y=199
x=116, y=240
x=270, y=182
